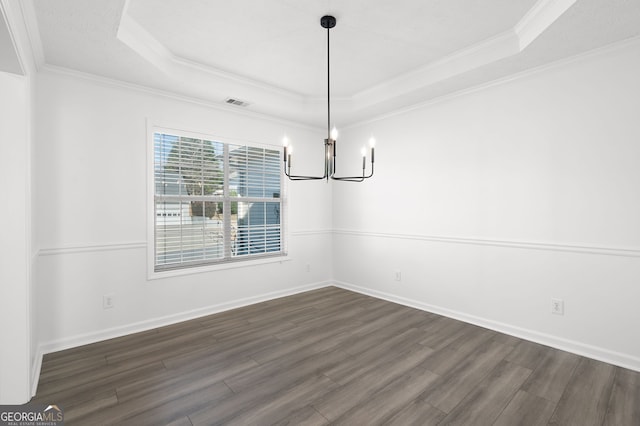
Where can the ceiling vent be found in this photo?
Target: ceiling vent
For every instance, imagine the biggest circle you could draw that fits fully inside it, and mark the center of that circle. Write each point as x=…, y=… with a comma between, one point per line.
x=237, y=102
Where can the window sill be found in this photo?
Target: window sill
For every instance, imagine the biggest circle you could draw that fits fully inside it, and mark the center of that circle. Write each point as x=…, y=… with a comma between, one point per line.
x=153, y=275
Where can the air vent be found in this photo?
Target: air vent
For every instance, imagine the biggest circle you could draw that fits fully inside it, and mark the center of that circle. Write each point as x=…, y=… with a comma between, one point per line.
x=238, y=102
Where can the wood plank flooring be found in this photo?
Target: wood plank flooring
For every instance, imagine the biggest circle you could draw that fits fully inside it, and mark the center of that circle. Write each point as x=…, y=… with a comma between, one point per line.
x=331, y=356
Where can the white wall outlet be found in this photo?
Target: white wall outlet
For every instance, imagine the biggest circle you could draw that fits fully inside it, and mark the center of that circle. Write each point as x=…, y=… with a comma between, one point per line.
x=107, y=301
x=557, y=306
x=307, y=267
x=398, y=276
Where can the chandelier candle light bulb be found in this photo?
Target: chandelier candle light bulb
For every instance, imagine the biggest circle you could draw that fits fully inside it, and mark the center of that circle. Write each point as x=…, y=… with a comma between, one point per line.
x=372, y=144
x=285, y=143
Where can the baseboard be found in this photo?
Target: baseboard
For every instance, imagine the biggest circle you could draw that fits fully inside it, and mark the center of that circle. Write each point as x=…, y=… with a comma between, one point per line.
x=88, y=338
x=578, y=348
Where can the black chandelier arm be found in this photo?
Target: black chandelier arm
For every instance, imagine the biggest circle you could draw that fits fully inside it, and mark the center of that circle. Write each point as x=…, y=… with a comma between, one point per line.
x=304, y=177
x=354, y=178
x=294, y=178
x=301, y=177
x=348, y=179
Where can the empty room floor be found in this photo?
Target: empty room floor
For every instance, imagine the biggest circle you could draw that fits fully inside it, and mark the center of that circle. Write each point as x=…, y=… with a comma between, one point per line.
x=331, y=356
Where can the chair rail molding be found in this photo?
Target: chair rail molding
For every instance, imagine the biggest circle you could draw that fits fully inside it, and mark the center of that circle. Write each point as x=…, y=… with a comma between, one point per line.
x=528, y=245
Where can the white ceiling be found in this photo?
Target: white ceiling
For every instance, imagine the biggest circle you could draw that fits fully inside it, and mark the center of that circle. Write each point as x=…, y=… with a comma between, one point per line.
x=384, y=55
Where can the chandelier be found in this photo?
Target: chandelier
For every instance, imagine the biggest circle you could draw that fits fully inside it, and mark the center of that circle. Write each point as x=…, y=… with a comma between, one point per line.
x=330, y=142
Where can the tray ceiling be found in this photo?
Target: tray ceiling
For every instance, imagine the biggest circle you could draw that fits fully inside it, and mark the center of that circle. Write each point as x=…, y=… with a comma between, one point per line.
x=384, y=55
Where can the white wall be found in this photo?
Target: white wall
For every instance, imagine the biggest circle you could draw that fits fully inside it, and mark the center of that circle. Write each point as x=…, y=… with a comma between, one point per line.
x=19, y=367
x=493, y=202
x=15, y=241
x=91, y=213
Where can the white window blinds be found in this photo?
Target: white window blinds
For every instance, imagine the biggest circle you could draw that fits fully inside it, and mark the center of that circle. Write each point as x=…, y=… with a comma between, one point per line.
x=214, y=202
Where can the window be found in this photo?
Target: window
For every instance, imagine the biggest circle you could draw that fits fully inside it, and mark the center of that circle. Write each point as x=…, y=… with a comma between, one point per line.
x=214, y=202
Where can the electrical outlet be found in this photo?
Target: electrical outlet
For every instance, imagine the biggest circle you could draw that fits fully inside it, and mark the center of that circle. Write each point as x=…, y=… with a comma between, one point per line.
x=398, y=276
x=107, y=301
x=557, y=306
x=308, y=267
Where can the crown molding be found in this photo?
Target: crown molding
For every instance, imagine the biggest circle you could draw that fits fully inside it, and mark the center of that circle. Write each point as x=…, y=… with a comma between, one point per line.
x=9, y=20
x=33, y=33
x=491, y=50
x=539, y=18
x=508, y=43
x=131, y=33
x=196, y=77
x=119, y=84
x=603, y=50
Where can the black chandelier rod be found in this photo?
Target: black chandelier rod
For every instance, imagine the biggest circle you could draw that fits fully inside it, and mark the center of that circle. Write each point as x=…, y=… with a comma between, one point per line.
x=329, y=86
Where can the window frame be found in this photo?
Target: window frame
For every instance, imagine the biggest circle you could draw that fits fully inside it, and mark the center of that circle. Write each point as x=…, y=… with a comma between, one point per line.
x=207, y=266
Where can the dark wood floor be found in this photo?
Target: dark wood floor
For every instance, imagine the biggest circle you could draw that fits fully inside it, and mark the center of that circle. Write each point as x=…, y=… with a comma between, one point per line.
x=331, y=356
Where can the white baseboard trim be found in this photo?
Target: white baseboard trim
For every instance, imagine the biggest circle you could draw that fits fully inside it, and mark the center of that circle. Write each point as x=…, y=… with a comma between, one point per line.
x=88, y=338
x=578, y=348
